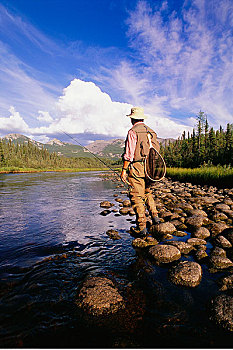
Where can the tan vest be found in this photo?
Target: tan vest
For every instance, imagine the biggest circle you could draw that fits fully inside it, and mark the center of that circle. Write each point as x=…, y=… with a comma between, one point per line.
x=142, y=146
x=136, y=168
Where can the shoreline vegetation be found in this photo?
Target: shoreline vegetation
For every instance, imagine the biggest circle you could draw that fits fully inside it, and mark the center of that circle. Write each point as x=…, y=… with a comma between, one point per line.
x=220, y=176
x=17, y=170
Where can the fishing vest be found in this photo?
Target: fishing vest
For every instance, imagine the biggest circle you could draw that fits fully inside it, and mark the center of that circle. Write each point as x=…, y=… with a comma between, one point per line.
x=142, y=146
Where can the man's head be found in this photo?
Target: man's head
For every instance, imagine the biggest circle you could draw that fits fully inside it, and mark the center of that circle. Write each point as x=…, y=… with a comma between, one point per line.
x=137, y=113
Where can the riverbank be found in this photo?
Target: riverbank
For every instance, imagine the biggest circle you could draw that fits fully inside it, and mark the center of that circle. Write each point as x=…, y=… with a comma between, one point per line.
x=16, y=170
x=219, y=176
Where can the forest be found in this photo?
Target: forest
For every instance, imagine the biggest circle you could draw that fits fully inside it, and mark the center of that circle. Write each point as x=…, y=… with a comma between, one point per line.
x=203, y=147
x=30, y=156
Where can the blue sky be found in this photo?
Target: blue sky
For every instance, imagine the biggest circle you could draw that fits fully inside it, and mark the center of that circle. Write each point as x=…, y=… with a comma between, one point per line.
x=79, y=66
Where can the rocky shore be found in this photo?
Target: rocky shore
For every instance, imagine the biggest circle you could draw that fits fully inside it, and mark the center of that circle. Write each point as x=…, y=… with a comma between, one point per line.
x=196, y=231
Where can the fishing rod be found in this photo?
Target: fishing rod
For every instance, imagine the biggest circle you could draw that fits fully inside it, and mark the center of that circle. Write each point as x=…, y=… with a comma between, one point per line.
x=101, y=160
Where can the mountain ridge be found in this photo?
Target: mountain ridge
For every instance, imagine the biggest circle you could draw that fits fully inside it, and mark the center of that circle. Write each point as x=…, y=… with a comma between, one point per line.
x=105, y=148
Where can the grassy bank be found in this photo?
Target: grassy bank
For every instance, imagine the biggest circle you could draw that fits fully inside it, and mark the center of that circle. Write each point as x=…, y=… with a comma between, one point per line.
x=219, y=176
x=11, y=170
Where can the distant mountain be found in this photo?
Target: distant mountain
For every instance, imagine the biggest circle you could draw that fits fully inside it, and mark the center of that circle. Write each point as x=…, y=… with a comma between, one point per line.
x=110, y=149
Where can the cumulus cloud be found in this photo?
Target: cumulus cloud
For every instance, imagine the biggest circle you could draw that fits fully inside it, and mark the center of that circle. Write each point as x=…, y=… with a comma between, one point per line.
x=84, y=108
x=44, y=117
x=13, y=123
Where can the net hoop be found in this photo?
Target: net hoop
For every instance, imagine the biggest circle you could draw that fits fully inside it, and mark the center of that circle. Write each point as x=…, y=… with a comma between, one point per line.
x=164, y=167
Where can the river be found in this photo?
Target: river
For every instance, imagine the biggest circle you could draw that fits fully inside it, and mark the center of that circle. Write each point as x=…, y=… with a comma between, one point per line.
x=52, y=237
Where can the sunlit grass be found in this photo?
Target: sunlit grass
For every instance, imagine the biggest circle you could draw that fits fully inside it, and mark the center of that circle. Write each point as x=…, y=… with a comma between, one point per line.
x=6, y=170
x=221, y=176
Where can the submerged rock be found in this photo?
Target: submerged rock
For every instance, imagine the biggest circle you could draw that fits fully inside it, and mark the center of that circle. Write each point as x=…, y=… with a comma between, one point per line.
x=165, y=253
x=186, y=273
x=222, y=311
x=98, y=296
x=113, y=234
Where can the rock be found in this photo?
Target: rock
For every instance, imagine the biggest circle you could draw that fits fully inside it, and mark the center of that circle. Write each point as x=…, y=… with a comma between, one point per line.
x=226, y=283
x=131, y=212
x=219, y=217
x=217, y=228
x=201, y=232
x=186, y=273
x=196, y=212
x=164, y=253
x=222, y=242
x=180, y=234
x=196, y=241
x=119, y=200
x=201, y=254
x=194, y=221
x=113, y=234
x=124, y=211
x=219, y=262
x=209, y=200
x=222, y=206
x=143, y=243
x=126, y=203
x=222, y=311
x=217, y=251
x=98, y=296
x=106, y=204
x=185, y=248
x=105, y=212
x=178, y=224
x=184, y=206
x=229, y=213
x=228, y=233
x=165, y=228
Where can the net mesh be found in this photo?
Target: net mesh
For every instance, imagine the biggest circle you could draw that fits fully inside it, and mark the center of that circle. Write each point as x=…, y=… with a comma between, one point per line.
x=155, y=166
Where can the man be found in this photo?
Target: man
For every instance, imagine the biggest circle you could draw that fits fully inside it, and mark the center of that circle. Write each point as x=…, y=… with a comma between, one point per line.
x=136, y=149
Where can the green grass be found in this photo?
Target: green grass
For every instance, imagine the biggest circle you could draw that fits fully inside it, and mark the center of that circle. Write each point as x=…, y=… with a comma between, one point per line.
x=7, y=170
x=219, y=176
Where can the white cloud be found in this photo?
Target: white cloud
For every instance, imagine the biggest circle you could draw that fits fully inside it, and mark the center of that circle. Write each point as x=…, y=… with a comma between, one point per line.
x=44, y=117
x=84, y=108
x=187, y=58
x=14, y=123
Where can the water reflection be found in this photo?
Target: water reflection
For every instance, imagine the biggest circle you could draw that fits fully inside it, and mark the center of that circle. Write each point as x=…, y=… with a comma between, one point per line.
x=40, y=212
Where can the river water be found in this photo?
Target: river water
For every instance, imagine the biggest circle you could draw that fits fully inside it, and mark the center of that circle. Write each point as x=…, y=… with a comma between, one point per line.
x=52, y=237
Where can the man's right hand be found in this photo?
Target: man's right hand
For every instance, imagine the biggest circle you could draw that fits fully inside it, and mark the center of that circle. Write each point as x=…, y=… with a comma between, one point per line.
x=124, y=177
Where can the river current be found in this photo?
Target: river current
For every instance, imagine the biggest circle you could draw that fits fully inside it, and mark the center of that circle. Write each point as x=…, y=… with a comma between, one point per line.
x=52, y=237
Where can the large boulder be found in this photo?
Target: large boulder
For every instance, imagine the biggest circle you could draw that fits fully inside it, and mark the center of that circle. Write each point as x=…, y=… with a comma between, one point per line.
x=165, y=228
x=164, y=253
x=186, y=273
x=99, y=296
x=201, y=232
x=222, y=311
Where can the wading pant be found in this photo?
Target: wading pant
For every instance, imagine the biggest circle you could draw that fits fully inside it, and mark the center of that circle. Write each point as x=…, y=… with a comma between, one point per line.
x=141, y=195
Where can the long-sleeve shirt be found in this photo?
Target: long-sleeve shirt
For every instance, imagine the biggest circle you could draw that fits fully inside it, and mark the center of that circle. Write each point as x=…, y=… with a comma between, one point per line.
x=130, y=146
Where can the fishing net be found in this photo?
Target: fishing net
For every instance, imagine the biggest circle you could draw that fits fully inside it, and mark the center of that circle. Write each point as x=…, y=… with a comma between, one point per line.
x=155, y=166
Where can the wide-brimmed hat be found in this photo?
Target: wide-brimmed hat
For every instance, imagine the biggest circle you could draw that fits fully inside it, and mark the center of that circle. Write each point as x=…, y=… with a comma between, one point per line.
x=137, y=113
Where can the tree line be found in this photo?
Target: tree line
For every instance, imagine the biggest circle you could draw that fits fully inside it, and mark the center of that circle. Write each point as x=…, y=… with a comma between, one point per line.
x=204, y=146
x=28, y=155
